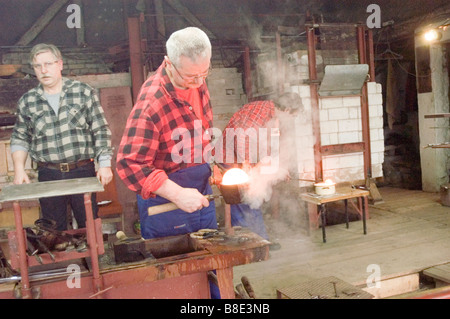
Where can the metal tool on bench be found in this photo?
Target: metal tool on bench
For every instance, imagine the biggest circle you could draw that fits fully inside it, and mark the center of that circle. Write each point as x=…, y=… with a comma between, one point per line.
x=230, y=192
x=205, y=233
x=129, y=249
x=43, y=238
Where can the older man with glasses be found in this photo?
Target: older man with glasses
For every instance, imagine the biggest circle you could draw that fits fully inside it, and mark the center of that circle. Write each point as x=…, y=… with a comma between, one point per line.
x=172, y=102
x=174, y=99
x=61, y=125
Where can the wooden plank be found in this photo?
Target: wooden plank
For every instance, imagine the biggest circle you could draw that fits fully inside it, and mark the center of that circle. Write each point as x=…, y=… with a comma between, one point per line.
x=116, y=102
x=225, y=281
x=3, y=159
x=441, y=272
x=337, y=149
x=394, y=286
x=41, y=23
x=50, y=189
x=29, y=216
x=442, y=145
x=437, y=115
x=375, y=196
x=339, y=195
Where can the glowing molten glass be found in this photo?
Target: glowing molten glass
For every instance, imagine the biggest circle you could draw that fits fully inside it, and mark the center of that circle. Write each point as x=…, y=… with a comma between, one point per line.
x=234, y=176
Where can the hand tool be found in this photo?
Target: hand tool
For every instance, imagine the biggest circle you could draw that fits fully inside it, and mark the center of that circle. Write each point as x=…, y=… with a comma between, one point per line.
x=159, y=209
x=248, y=287
x=241, y=291
x=205, y=233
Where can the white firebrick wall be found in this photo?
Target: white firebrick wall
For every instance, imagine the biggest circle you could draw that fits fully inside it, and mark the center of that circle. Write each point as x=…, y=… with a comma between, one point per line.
x=340, y=123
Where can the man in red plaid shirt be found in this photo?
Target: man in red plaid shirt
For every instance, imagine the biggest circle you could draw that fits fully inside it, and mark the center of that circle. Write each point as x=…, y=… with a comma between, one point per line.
x=242, y=141
x=161, y=153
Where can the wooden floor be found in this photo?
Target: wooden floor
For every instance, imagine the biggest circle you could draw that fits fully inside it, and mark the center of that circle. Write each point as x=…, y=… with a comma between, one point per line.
x=407, y=233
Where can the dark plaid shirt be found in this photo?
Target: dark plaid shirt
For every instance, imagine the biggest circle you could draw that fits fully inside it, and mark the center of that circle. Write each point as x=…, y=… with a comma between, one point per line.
x=162, y=134
x=79, y=131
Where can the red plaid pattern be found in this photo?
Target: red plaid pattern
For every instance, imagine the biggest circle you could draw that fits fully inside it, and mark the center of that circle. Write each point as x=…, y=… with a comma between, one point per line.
x=252, y=115
x=159, y=125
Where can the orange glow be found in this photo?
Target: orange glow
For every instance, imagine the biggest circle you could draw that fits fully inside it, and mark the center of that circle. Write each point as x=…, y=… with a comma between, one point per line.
x=235, y=176
x=327, y=182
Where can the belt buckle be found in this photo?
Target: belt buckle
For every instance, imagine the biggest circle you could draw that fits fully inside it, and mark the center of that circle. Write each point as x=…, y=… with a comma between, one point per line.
x=64, y=167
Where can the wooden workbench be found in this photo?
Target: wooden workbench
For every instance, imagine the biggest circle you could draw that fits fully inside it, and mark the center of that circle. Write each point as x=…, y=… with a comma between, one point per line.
x=183, y=275
x=319, y=201
x=180, y=276
x=17, y=238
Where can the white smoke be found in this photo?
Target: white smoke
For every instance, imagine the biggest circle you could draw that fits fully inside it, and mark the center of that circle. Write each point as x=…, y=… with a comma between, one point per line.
x=275, y=168
x=259, y=189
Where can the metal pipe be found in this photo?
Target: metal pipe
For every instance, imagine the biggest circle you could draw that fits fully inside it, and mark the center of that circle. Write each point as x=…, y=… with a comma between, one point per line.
x=23, y=259
x=364, y=106
x=227, y=220
x=38, y=276
x=314, y=103
x=371, y=56
x=248, y=74
x=280, y=73
x=137, y=70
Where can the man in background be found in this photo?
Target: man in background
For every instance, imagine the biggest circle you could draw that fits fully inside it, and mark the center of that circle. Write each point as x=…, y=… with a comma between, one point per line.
x=275, y=115
x=61, y=125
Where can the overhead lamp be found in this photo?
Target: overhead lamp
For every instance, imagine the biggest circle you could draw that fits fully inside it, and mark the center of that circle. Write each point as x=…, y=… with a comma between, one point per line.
x=432, y=35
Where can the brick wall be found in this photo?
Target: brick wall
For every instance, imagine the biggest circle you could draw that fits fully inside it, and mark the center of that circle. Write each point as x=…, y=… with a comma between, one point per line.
x=340, y=123
x=227, y=94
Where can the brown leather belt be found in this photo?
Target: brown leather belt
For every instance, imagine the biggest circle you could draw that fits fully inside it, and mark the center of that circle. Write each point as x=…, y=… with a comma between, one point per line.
x=64, y=167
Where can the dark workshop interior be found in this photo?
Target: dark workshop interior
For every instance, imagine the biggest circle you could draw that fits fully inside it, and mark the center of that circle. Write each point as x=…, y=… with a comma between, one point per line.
x=374, y=84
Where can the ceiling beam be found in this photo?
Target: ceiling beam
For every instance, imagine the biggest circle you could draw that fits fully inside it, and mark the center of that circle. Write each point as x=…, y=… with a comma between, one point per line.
x=41, y=23
x=160, y=21
x=181, y=9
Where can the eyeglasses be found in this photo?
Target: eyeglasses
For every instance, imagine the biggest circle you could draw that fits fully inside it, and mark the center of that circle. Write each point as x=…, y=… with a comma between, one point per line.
x=193, y=77
x=46, y=64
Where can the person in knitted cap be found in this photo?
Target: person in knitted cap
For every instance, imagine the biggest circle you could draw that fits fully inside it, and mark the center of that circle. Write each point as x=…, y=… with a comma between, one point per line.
x=248, y=127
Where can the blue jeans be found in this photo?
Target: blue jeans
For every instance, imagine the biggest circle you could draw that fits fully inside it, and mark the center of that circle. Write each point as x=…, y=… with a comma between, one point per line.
x=243, y=215
x=55, y=208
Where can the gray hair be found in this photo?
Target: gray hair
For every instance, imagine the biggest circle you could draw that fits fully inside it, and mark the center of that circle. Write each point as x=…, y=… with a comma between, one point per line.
x=288, y=101
x=191, y=42
x=43, y=47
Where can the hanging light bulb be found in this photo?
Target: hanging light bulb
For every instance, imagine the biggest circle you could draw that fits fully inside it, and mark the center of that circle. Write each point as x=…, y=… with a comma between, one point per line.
x=432, y=35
